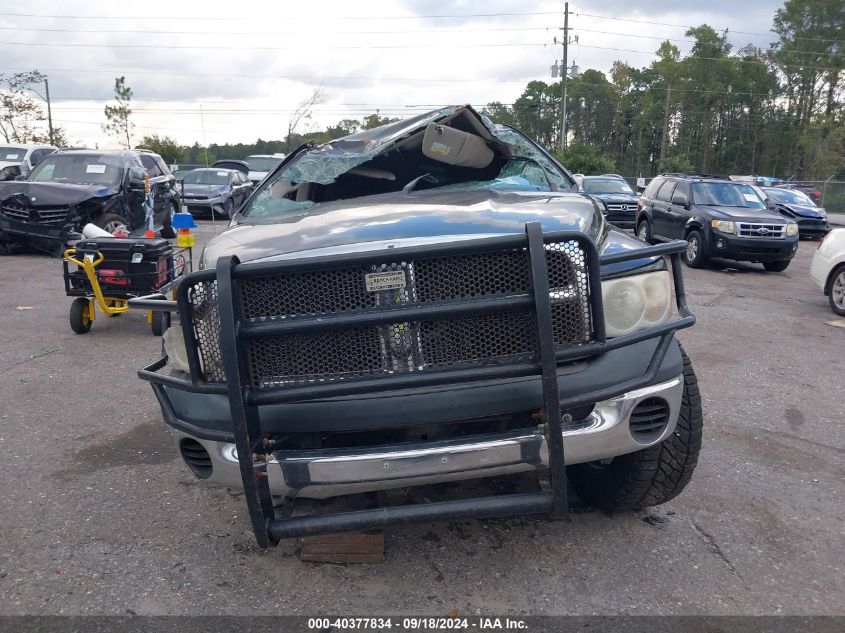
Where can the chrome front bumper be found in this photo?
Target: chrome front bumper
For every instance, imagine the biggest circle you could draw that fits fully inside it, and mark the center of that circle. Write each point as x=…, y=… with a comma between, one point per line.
x=327, y=473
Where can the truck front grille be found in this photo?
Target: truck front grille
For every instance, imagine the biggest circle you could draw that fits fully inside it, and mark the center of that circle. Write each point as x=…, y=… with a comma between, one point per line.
x=755, y=229
x=401, y=347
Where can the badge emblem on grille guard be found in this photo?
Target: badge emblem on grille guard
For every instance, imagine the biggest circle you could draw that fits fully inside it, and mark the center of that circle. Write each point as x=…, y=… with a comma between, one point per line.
x=389, y=280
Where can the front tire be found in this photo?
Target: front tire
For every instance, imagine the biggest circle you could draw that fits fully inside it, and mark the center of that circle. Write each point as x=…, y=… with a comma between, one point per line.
x=110, y=222
x=776, y=267
x=694, y=256
x=644, y=231
x=653, y=475
x=836, y=290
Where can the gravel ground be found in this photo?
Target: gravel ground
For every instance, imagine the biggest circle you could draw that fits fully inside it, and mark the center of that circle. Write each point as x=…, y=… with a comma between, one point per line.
x=97, y=516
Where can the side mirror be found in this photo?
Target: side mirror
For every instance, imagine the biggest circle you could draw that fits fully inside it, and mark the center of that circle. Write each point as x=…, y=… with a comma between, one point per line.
x=681, y=201
x=137, y=184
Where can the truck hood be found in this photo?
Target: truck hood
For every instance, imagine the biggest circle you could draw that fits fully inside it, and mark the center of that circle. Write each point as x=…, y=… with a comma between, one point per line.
x=420, y=217
x=54, y=194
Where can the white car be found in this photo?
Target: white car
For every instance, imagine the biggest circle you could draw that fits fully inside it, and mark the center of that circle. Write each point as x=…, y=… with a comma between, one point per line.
x=24, y=155
x=262, y=164
x=828, y=269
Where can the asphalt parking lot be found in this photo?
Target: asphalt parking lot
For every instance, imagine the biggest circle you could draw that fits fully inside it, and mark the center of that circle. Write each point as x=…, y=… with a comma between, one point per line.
x=97, y=516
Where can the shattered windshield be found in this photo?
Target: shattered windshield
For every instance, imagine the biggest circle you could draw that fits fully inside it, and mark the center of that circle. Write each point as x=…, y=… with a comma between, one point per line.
x=89, y=169
x=452, y=149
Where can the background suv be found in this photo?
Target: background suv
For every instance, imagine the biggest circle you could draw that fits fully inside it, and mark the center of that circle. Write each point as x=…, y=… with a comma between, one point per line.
x=615, y=197
x=24, y=156
x=717, y=218
x=68, y=189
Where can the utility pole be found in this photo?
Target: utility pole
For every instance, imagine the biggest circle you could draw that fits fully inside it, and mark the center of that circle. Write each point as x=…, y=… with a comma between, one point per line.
x=49, y=110
x=563, y=77
x=665, y=124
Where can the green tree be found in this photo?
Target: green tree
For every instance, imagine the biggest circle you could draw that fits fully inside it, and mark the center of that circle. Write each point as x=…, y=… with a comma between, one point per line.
x=374, y=120
x=21, y=116
x=117, y=116
x=168, y=148
x=580, y=158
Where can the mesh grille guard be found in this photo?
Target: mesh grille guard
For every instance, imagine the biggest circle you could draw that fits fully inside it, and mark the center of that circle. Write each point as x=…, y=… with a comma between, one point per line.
x=305, y=328
x=506, y=307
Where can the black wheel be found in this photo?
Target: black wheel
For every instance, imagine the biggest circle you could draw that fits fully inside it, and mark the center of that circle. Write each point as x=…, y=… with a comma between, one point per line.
x=160, y=322
x=80, y=315
x=111, y=222
x=653, y=475
x=644, y=231
x=694, y=256
x=836, y=290
x=167, y=231
x=776, y=267
x=229, y=208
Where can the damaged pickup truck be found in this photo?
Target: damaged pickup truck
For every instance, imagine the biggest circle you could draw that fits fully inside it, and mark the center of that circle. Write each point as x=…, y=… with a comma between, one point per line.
x=429, y=301
x=69, y=189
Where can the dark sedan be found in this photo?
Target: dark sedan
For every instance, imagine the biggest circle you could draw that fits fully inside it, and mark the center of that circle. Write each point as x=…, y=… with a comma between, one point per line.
x=796, y=205
x=616, y=199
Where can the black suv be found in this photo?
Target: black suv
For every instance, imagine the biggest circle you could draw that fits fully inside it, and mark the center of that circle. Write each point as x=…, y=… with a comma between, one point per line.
x=71, y=188
x=718, y=218
x=616, y=199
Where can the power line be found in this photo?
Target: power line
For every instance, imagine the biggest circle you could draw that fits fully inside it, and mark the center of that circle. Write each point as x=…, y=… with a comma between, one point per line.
x=159, y=18
x=266, y=48
x=675, y=39
x=254, y=76
x=272, y=33
x=396, y=46
x=687, y=26
x=713, y=59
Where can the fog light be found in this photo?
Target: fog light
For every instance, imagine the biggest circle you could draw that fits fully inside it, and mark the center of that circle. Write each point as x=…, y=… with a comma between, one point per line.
x=720, y=243
x=795, y=247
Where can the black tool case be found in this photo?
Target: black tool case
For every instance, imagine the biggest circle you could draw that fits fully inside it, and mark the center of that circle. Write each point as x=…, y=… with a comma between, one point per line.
x=131, y=266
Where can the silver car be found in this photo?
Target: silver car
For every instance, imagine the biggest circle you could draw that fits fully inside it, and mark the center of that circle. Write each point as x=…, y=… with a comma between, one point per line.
x=211, y=191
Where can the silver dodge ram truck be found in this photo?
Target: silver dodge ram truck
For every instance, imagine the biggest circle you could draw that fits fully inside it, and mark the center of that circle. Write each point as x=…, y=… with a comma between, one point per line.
x=429, y=301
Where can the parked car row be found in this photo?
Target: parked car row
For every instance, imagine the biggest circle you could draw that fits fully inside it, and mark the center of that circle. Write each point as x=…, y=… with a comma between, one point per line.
x=47, y=195
x=728, y=218
x=68, y=189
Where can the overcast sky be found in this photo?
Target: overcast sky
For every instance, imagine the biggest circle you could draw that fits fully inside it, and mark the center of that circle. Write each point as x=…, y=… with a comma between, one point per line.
x=247, y=65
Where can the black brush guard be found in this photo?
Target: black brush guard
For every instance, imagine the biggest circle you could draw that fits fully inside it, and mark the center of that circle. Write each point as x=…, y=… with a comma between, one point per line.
x=254, y=446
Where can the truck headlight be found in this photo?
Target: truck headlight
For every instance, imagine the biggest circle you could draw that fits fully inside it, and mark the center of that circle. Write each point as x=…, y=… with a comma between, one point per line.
x=174, y=348
x=723, y=225
x=636, y=302
x=791, y=229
